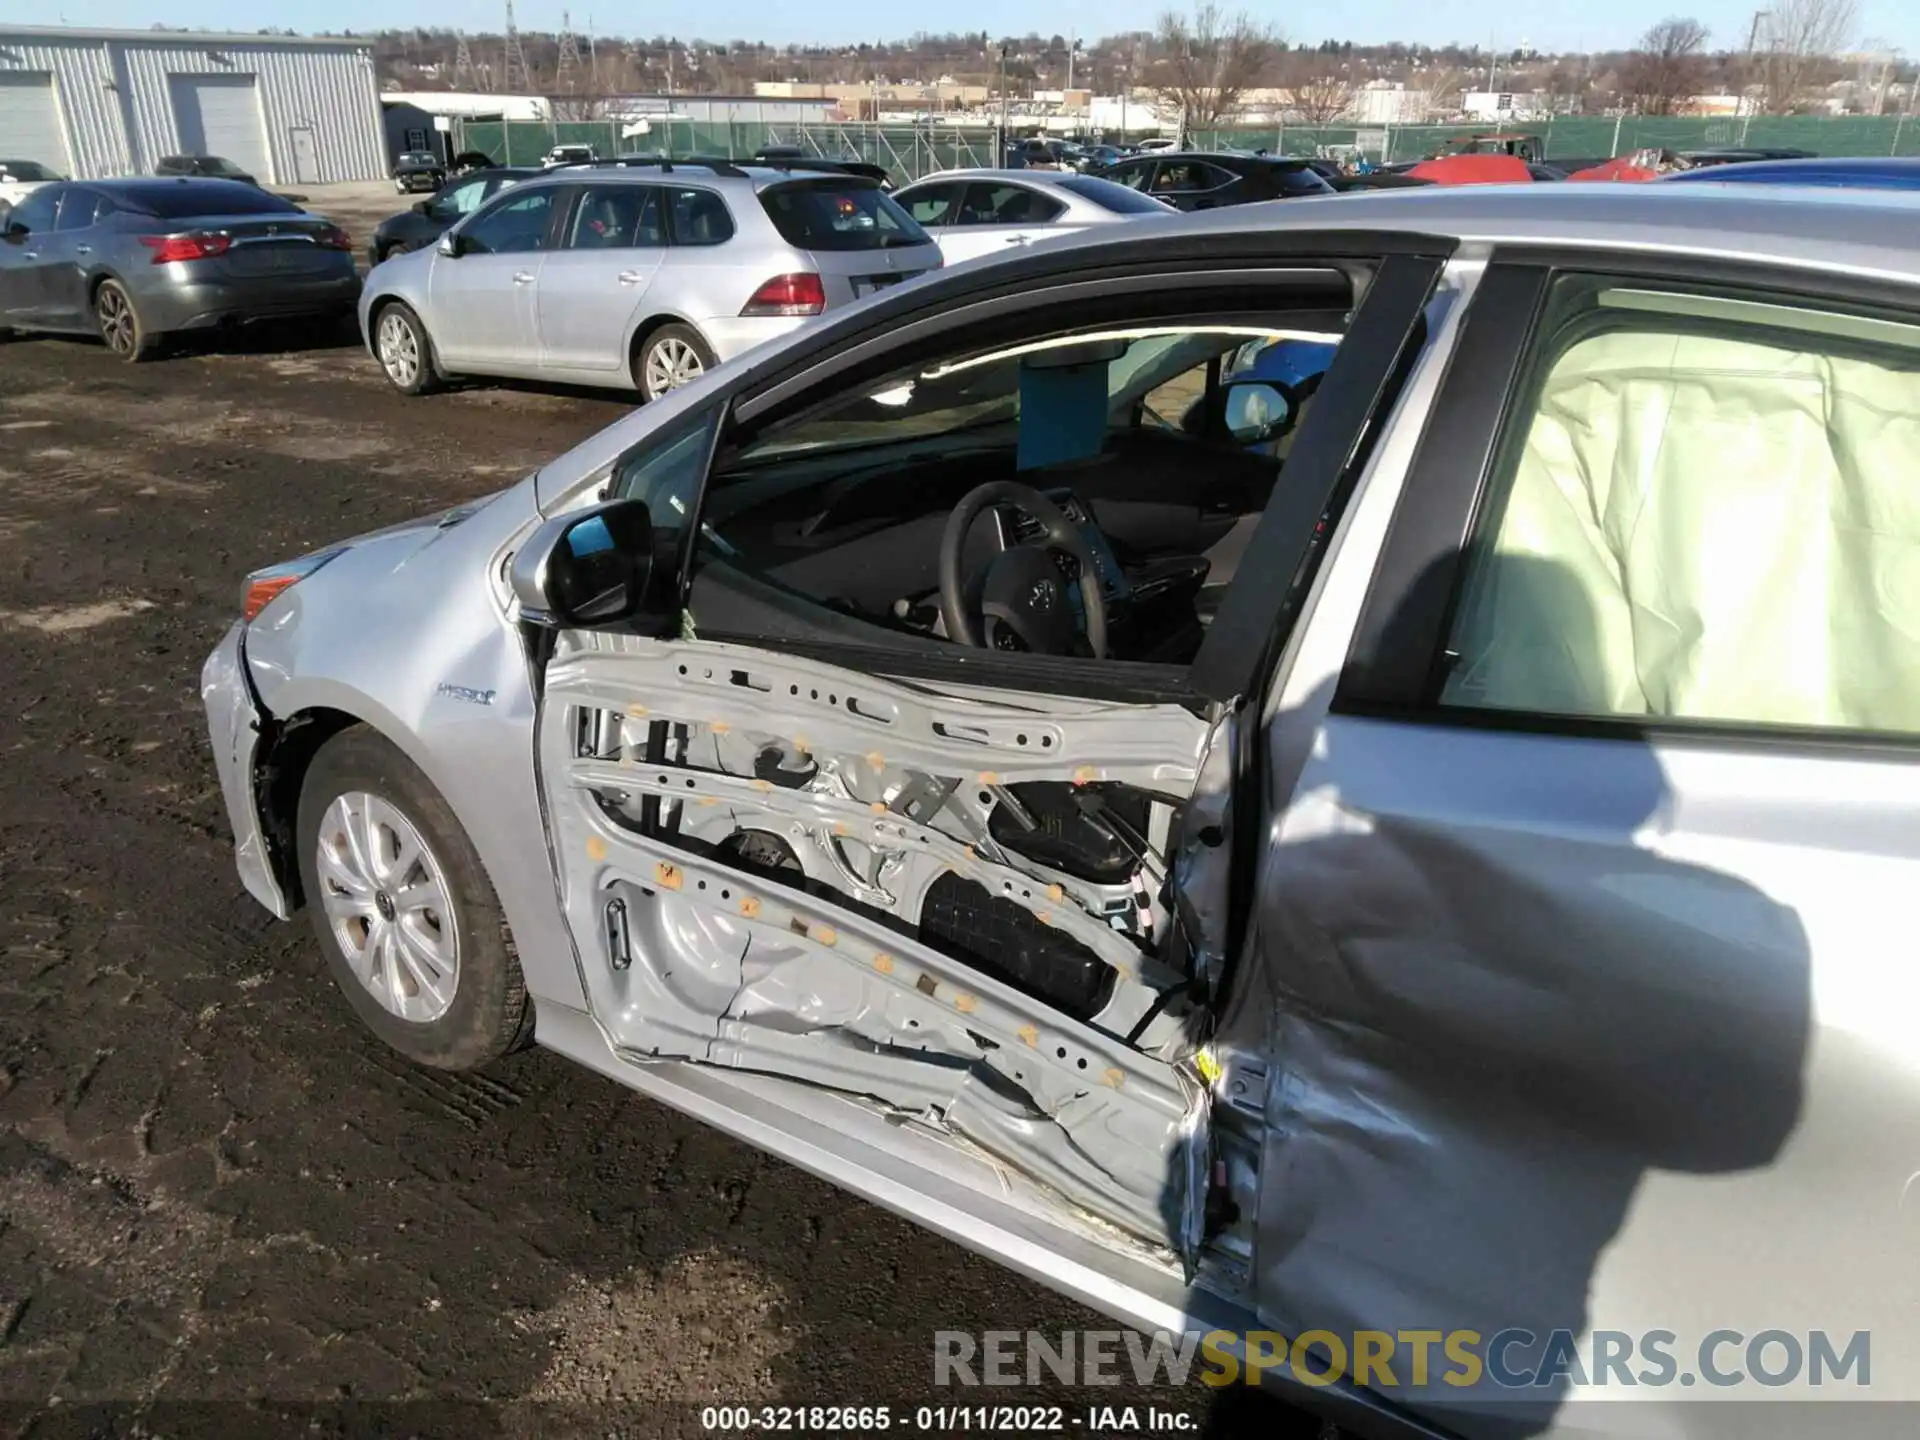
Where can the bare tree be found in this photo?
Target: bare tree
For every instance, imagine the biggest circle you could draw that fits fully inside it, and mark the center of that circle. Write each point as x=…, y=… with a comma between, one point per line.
x=1667, y=68
x=1791, y=42
x=1207, y=61
x=1322, y=87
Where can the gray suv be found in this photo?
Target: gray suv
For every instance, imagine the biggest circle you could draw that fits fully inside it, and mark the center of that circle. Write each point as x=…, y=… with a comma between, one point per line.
x=636, y=274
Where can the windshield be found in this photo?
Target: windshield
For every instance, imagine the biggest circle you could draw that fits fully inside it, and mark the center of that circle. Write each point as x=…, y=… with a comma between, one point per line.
x=837, y=214
x=1109, y=195
x=982, y=393
x=214, y=165
x=27, y=170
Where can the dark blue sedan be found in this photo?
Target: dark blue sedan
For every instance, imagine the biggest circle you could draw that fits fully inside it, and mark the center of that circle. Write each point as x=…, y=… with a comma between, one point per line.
x=1841, y=172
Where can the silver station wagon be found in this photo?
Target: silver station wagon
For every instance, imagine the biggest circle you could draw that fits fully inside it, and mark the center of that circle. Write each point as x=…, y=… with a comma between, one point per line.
x=1344, y=774
x=636, y=274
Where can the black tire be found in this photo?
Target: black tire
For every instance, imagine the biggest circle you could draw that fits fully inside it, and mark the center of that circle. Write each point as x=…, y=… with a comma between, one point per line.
x=117, y=321
x=657, y=345
x=490, y=1014
x=425, y=375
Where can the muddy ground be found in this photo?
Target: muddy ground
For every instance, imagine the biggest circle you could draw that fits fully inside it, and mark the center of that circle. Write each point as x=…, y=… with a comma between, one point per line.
x=216, y=1191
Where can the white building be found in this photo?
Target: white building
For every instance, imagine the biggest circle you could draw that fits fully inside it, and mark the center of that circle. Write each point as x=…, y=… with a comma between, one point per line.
x=99, y=103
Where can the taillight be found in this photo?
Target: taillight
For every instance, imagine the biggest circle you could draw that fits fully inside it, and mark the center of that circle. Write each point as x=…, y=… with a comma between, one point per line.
x=788, y=295
x=333, y=238
x=266, y=586
x=194, y=245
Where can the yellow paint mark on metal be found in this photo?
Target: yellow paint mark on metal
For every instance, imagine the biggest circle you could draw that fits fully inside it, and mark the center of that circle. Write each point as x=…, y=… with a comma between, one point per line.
x=709, y=800
x=1208, y=1067
x=763, y=786
x=668, y=876
x=827, y=935
x=721, y=727
x=750, y=907
x=800, y=744
x=1086, y=775
x=1054, y=892
x=840, y=827
x=1113, y=1077
x=1030, y=1036
x=876, y=759
x=596, y=848
x=1045, y=917
x=883, y=962
x=638, y=712
x=971, y=854
x=966, y=1004
x=878, y=808
x=989, y=777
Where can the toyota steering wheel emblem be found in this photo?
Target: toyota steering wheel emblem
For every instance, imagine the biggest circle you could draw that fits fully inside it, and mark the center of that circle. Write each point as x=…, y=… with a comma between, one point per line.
x=1042, y=597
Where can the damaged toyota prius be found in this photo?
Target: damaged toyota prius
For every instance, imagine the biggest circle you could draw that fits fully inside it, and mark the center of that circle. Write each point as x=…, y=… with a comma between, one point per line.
x=1343, y=772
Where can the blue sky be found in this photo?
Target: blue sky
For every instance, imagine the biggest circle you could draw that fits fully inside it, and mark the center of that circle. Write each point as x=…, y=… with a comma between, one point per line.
x=1563, y=25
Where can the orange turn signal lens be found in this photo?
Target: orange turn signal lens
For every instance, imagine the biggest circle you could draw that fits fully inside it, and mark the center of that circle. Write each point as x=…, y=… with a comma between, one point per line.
x=261, y=592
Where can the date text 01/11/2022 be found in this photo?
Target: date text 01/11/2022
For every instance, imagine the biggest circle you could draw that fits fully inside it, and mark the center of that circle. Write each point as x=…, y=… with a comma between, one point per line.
x=946, y=1419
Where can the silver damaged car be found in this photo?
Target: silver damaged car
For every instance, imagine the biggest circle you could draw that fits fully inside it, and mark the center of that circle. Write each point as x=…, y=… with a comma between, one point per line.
x=1343, y=771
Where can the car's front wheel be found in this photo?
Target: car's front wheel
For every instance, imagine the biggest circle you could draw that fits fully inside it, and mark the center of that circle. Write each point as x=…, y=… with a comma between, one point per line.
x=405, y=353
x=119, y=324
x=672, y=356
x=411, y=927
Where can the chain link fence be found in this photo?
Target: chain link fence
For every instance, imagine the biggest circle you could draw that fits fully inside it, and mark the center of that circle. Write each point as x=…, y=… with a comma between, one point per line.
x=911, y=151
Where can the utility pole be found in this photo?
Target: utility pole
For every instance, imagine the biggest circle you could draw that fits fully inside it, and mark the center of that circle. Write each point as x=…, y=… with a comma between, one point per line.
x=514, y=62
x=1004, y=47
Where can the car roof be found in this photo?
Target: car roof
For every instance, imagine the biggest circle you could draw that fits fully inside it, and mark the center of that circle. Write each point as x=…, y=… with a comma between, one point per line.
x=1863, y=232
x=723, y=173
x=1041, y=178
x=1230, y=157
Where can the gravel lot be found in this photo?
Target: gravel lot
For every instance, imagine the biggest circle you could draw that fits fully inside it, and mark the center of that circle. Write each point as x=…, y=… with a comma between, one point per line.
x=214, y=1187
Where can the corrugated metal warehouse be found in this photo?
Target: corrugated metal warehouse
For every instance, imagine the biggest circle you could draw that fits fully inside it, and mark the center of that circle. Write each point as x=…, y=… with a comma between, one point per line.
x=98, y=103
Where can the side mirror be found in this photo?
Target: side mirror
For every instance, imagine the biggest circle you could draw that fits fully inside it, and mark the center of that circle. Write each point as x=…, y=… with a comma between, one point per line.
x=592, y=567
x=1253, y=412
x=16, y=233
x=452, y=246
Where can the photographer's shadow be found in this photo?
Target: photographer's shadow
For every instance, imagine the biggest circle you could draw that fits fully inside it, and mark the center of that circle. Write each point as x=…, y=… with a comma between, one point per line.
x=1491, y=1004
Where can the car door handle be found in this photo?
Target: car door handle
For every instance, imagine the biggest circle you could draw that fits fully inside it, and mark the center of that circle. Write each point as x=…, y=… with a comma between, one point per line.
x=629, y=277
x=1016, y=240
x=83, y=249
x=523, y=277
x=30, y=254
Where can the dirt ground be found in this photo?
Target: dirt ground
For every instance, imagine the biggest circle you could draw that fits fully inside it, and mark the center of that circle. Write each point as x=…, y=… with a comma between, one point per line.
x=222, y=1204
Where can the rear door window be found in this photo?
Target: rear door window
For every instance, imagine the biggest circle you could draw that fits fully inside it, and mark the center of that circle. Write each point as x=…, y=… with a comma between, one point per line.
x=35, y=213
x=1007, y=205
x=700, y=216
x=1300, y=180
x=1119, y=199
x=1188, y=177
x=79, y=210
x=1134, y=176
x=835, y=215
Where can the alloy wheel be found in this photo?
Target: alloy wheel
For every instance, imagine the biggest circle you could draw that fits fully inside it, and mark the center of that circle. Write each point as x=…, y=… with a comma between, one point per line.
x=399, y=349
x=671, y=363
x=388, y=907
x=117, y=325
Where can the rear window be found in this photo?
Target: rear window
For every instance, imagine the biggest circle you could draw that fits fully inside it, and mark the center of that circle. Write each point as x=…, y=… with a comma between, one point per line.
x=1108, y=196
x=183, y=199
x=1300, y=180
x=835, y=215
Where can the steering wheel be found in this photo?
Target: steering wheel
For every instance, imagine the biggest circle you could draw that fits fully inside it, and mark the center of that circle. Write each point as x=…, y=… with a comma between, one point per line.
x=1024, y=593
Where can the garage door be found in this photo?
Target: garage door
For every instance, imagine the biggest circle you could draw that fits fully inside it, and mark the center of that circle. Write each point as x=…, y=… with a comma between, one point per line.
x=220, y=115
x=30, y=127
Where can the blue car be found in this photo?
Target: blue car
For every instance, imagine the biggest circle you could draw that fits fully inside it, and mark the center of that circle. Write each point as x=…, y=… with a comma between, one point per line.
x=1836, y=171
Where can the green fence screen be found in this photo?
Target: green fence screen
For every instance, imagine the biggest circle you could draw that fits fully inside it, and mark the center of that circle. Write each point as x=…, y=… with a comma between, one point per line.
x=911, y=151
